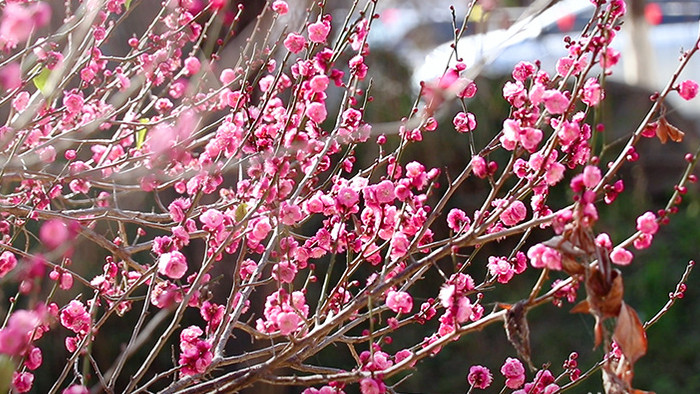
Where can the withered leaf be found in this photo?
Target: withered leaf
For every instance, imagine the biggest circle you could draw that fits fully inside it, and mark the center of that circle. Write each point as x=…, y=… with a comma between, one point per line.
x=604, y=298
x=630, y=335
x=518, y=331
x=617, y=378
x=666, y=131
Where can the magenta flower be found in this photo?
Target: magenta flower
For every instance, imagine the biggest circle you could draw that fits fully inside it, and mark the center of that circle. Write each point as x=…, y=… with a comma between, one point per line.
x=514, y=372
x=280, y=6
x=688, y=89
x=479, y=377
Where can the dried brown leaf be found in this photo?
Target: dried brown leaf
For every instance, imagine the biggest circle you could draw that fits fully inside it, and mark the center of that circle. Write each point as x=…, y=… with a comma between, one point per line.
x=630, y=335
x=518, y=330
x=604, y=297
x=581, y=307
x=666, y=131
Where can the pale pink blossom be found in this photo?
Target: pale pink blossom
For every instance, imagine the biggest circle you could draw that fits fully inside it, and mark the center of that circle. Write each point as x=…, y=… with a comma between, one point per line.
x=514, y=214
x=172, y=264
x=316, y=111
x=76, y=389
x=21, y=100
x=8, y=262
x=318, y=31
x=592, y=92
x=544, y=257
x=591, y=176
x=555, y=101
x=399, y=301
x=288, y=322
x=54, y=233
x=192, y=65
x=621, y=256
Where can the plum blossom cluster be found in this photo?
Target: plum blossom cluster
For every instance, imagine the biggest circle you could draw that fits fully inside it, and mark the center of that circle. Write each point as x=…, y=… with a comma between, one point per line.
x=220, y=193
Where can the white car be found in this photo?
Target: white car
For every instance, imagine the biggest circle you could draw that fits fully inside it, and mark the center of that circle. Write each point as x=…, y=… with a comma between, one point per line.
x=674, y=26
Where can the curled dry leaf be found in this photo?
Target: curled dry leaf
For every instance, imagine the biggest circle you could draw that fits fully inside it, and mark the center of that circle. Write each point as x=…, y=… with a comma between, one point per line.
x=617, y=378
x=518, y=331
x=630, y=335
x=603, y=300
x=666, y=131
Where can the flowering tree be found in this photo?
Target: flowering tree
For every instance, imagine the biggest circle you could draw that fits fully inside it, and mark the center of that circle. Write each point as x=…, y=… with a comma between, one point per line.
x=203, y=202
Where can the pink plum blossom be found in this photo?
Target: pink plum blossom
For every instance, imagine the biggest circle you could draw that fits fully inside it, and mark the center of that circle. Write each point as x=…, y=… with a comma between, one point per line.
x=621, y=256
x=688, y=89
x=399, y=301
x=8, y=262
x=479, y=377
x=544, y=257
x=318, y=31
x=294, y=43
x=647, y=224
x=280, y=6
x=555, y=101
x=172, y=264
x=317, y=112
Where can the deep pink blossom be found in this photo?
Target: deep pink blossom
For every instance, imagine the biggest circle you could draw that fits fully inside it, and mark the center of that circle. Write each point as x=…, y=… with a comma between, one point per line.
x=500, y=268
x=464, y=122
x=294, y=43
x=514, y=214
x=479, y=377
x=280, y=6
x=688, y=89
x=75, y=317
x=514, y=372
x=195, y=353
x=22, y=381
